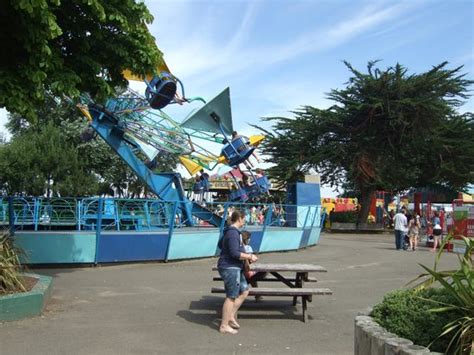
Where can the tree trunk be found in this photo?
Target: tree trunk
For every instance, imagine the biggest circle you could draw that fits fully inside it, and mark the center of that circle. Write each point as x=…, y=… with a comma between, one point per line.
x=48, y=190
x=366, y=199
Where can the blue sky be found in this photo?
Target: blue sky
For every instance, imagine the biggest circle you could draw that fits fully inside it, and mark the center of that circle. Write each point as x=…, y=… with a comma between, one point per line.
x=277, y=55
x=280, y=54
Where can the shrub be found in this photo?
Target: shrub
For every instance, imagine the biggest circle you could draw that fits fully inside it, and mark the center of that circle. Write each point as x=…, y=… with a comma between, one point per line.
x=408, y=314
x=10, y=267
x=459, y=284
x=343, y=217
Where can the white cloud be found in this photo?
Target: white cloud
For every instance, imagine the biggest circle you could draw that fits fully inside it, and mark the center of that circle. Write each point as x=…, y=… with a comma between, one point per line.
x=198, y=52
x=203, y=55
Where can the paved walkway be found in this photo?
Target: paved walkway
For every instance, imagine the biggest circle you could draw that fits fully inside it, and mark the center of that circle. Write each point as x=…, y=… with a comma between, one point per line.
x=159, y=308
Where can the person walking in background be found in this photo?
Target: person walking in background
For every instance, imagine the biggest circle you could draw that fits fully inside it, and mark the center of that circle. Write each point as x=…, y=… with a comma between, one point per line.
x=437, y=230
x=204, y=182
x=414, y=231
x=423, y=225
x=230, y=266
x=400, y=221
x=198, y=188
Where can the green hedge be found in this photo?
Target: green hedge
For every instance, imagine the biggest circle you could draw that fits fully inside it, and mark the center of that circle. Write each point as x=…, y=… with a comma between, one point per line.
x=343, y=217
x=406, y=313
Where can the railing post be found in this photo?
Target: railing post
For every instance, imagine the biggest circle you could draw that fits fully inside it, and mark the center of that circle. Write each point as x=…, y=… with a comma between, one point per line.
x=117, y=216
x=322, y=217
x=11, y=216
x=98, y=228
x=36, y=210
x=306, y=218
x=147, y=215
x=171, y=228
x=78, y=213
x=268, y=219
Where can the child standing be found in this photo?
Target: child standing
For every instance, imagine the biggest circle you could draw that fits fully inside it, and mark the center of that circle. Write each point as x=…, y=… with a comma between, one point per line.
x=249, y=274
x=248, y=249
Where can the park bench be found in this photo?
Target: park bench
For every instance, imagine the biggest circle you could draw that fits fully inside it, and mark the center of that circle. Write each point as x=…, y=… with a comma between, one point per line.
x=306, y=294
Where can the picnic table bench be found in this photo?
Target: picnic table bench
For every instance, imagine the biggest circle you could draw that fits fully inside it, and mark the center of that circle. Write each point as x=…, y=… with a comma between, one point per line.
x=295, y=284
x=273, y=279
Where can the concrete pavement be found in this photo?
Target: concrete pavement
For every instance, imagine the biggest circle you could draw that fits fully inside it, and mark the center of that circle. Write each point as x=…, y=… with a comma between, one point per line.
x=167, y=308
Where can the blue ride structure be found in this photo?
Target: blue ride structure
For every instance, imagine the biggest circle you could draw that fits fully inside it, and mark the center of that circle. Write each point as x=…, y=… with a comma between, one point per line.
x=166, y=186
x=135, y=130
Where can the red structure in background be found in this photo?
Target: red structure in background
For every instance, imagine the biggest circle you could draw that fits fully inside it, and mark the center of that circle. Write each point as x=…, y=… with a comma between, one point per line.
x=380, y=205
x=417, y=202
x=463, y=214
x=373, y=204
x=339, y=204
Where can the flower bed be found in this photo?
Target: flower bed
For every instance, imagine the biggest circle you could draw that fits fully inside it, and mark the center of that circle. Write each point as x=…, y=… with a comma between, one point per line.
x=14, y=306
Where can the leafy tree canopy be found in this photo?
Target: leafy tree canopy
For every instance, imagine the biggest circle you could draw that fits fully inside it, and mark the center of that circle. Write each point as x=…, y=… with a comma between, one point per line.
x=38, y=163
x=387, y=130
x=54, y=47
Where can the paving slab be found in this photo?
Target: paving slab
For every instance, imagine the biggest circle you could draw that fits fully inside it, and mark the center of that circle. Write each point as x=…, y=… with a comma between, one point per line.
x=167, y=308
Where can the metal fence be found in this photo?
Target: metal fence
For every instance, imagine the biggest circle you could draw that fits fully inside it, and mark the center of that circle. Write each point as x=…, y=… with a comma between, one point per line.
x=39, y=213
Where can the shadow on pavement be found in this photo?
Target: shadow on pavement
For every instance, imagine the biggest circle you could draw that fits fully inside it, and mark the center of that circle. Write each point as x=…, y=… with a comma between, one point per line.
x=250, y=310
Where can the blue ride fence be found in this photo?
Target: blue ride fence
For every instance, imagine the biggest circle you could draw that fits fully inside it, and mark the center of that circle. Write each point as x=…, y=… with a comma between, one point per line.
x=101, y=230
x=40, y=213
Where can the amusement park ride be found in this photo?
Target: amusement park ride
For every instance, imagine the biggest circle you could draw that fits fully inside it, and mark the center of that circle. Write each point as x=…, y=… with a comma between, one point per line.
x=138, y=129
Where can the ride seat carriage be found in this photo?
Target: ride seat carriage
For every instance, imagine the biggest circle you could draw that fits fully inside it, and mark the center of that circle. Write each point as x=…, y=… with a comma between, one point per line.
x=239, y=195
x=237, y=151
x=262, y=185
x=161, y=90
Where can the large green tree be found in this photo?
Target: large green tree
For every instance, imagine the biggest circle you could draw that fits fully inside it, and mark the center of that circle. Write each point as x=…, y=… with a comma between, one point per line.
x=387, y=130
x=54, y=47
x=44, y=163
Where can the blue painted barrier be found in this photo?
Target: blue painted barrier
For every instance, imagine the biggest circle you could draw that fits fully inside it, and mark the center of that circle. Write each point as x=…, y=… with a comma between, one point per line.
x=157, y=232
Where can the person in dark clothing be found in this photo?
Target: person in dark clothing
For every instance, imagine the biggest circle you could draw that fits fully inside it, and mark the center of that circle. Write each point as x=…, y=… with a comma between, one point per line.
x=230, y=266
x=204, y=180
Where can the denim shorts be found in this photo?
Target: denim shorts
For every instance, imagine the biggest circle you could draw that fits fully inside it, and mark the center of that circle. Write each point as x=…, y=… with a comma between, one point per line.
x=234, y=282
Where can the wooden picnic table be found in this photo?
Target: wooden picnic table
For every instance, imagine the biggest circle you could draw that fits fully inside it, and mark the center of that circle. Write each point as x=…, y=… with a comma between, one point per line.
x=301, y=270
x=295, y=282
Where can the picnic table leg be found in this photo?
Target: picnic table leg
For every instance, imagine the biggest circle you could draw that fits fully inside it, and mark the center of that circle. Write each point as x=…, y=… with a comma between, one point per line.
x=305, y=314
x=298, y=284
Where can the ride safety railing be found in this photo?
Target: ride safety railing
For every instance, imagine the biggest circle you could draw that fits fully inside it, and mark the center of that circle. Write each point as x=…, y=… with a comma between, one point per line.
x=117, y=214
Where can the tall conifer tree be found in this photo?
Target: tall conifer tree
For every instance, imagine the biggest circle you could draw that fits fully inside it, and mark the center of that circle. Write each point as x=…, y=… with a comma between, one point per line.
x=387, y=130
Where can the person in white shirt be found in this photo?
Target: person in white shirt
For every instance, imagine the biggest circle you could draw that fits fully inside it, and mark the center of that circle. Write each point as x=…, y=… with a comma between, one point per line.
x=400, y=221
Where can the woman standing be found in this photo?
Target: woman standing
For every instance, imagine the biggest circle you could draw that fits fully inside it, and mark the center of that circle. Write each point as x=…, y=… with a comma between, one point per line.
x=231, y=267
